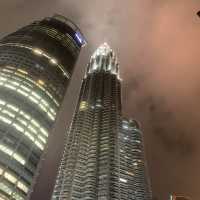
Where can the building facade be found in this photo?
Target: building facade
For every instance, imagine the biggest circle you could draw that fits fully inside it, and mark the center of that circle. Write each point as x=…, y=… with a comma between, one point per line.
x=103, y=157
x=36, y=64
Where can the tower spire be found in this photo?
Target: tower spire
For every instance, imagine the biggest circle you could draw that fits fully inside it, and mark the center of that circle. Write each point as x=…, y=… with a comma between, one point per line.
x=104, y=59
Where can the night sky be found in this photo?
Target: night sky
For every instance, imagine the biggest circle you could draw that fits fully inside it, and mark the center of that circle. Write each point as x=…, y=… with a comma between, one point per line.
x=157, y=43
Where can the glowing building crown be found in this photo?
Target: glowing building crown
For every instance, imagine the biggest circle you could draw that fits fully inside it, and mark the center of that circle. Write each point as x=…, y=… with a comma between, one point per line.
x=103, y=59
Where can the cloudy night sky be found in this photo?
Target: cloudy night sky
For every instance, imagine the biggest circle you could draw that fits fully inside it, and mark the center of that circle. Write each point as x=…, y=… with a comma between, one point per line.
x=157, y=43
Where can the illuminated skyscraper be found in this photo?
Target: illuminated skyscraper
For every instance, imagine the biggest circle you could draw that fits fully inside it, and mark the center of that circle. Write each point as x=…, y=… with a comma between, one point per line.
x=36, y=64
x=103, y=157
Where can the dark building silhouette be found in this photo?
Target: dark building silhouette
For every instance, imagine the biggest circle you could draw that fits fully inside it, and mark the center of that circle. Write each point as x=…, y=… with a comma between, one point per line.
x=104, y=156
x=36, y=64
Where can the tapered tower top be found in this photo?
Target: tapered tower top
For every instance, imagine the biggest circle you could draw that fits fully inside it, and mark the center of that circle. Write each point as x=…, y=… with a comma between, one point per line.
x=104, y=59
x=104, y=49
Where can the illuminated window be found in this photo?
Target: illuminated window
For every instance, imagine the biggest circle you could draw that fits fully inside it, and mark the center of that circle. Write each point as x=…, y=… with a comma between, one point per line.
x=22, y=92
x=43, y=108
x=125, y=126
x=53, y=61
x=8, y=113
x=19, y=158
x=10, y=152
x=29, y=136
x=51, y=116
x=15, y=83
x=21, y=186
x=33, y=99
x=2, y=102
x=44, y=102
x=41, y=82
x=130, y=173
x=123, y=180
x=42, y=139
x=25, y=88
x=32, y=129
x=13, y=179
x=44, y=132
x=37, y=51
x=6, y=150
x=7, y=70
x=126, y=138
x=5, y=120
x=35, y=123
x=25, y=115
x=138, y=141
x=22, y=71
x=5, y=188
x=36, y=95
x=18, y=127
x=10, y=86
x=22, y=121
x=39, y=145
x=10, y=177
x=3, y=79
x=13, y=107
x=21, y=75
x=83, y=106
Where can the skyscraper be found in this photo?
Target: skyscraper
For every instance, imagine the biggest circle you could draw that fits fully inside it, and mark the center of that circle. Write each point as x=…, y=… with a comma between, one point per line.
x=36, y=64
x=103, y=157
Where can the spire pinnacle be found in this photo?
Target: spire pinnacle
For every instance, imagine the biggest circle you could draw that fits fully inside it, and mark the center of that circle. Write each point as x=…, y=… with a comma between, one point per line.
x=104, y=59
x=104, y=49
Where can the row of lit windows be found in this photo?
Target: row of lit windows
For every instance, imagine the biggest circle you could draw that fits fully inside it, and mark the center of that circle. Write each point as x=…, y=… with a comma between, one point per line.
x=65, y=39
x=12, y=154
x=14, y=180
x=5, y=188
x=39, y=52
x=39, y=83
x=52, y=60
x=33, y=128
x=83, y=106
x=29, y=93
x=34, y=97
x=28, y=120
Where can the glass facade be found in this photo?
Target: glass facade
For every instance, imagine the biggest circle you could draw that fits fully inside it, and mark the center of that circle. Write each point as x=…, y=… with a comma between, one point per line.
x=134, y=181
x=103, y=157
x=36, y=63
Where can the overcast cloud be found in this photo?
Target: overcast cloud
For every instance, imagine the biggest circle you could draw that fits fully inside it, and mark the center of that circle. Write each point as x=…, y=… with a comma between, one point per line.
x=157, y=43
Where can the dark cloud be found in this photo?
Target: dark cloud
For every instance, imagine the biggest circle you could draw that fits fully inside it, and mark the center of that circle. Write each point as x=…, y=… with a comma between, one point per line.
x=157, y=43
